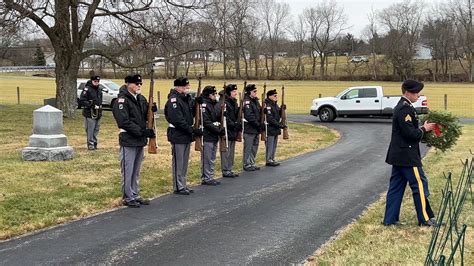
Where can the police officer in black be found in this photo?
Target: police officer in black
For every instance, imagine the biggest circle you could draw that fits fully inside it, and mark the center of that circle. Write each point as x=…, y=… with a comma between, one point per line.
x=252, y=127
x=404, y=156
x=91, y=100
x=179, y=114
x=273, y=129
x=211, y=117
x=130, y=113
x=233, y=127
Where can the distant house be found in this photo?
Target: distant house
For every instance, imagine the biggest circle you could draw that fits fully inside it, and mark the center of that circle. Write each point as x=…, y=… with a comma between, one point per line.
x=422, y=53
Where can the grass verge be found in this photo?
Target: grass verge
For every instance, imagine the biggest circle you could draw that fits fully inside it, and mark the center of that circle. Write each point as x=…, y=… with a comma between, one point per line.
x=35, y=195
x=366, y=241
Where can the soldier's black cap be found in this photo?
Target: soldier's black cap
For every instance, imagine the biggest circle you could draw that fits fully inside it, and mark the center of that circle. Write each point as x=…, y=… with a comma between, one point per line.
x=271, y=92
x=135, y=79
x=413, y=86
x=95, y=78
x=229, y=88
x=250, y=87
x=208, y=90
x=181, y=82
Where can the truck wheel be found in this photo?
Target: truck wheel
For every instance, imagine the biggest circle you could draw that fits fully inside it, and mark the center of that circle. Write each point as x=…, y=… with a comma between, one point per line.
x=326, y=115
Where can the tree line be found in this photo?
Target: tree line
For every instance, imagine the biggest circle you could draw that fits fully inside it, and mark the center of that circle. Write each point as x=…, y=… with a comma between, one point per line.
x=246, y=37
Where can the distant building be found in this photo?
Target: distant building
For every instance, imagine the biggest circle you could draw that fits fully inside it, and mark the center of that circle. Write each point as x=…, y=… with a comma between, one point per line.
x=422, y=53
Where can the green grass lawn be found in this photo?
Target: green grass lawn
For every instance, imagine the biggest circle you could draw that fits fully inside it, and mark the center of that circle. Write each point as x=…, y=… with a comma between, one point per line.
x=368, y=242
x=298, y=94
x=35, y=195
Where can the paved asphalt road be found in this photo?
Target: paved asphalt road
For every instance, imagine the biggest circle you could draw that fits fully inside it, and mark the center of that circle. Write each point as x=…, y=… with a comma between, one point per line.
x=276, y=215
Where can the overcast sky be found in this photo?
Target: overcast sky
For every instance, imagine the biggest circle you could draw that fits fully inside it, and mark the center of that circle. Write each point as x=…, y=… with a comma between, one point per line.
x=355, y=10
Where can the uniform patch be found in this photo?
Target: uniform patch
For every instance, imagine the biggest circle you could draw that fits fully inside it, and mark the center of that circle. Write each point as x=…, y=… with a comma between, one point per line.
x=247, y=102
x=85, y=89
x=121, y=100
x=120, y=106
x=269, y=112
x=268, y=107
x=204, y=104
x=175, y=105
x=407, y=118
x=84, y=92
x=173, y=100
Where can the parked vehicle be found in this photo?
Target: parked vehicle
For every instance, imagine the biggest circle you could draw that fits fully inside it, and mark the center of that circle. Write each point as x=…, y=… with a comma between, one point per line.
x=359, y=59
x=364, y=101
x=109, y=89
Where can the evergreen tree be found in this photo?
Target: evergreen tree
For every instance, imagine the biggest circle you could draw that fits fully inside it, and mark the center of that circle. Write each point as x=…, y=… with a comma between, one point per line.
x=39, y=57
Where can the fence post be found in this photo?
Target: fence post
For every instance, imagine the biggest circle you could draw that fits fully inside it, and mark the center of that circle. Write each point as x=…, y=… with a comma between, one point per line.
x=18, y=94
x=445, y=102
x=320, y=95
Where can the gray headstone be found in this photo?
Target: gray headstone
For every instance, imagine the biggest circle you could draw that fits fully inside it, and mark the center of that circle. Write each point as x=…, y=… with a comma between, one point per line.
x=48, y=143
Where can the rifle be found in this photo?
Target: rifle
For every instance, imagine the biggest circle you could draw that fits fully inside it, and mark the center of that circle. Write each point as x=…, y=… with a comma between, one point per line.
x=223, y=140
x=283, y=114
x=263, y=116
x=241, y=114
x=198, y=119
x=151, y=117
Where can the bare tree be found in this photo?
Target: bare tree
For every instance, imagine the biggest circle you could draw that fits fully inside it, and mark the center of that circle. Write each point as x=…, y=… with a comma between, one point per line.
x=462, y=12
x=325, y=23
x=275, y=17
x=68, y=25
x=403, y=22
x=299, y=33
x=372, y=36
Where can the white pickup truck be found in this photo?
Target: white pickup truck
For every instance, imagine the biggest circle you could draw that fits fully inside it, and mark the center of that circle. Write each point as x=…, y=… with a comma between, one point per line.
x=363, y=101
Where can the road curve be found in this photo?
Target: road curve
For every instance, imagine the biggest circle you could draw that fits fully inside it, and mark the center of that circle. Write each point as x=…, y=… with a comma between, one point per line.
x=275, y=215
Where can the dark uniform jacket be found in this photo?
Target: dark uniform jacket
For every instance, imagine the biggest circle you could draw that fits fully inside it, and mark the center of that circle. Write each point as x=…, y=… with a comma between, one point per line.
x=251, y=115
x=404, y=149
x=232, y=116
x=131, y=116
x=90, y=97
x=211, y=113
x=272, y=113
x=179, y=114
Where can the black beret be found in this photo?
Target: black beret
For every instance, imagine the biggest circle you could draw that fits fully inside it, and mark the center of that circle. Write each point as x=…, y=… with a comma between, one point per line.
x=208, y=90
x=411, y=85
x=135, y=79
x=229, y=88
x=95, y=78
x=127, y=79
x=271, y=92
x=181, y=82
x=250, y=87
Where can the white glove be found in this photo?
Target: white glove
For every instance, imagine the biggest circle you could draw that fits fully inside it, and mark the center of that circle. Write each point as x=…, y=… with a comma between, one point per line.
x=96, y=106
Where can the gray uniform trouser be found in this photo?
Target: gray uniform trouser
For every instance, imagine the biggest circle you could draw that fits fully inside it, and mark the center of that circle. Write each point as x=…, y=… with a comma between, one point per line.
x=92, y=127
x=270, y=148
x=180, y=153
x=130, y=163
x=208, y=160
x=251, y=142
x=227, y=158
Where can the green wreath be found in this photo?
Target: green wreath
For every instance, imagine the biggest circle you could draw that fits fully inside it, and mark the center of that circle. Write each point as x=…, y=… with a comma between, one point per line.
x=448, y=132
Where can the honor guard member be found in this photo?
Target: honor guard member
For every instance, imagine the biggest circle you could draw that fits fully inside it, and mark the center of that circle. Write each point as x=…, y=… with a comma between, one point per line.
x=130, y=113
x=273, y=117
x=233, y=127
x=211, y=116
x=404, y=156
x=179, y=114
x=251, y=127
x=91, y=100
